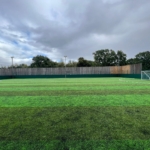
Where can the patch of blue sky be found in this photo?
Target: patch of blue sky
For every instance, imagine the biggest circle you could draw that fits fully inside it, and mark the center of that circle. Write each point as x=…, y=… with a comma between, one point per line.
x=54, y=13
x=4, y=39
x=15, y=43
x=28, y=34
x=25, y=48
x=59, y=60
x=26, y=54
x=30, y=57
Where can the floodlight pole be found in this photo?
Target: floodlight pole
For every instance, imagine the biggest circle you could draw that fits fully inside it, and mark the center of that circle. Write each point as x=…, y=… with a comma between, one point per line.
x=12, y=61
x=12, y=65
x=65, y=65
x=118, y=64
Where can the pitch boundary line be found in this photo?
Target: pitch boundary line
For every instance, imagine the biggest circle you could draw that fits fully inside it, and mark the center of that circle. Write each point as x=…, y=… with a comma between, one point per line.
x=123, y=80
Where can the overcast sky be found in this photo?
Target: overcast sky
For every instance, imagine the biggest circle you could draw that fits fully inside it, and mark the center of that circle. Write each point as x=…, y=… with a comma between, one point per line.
x=75, y=28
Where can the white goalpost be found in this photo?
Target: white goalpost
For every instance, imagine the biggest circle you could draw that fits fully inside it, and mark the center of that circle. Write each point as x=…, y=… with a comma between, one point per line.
x=145, y=75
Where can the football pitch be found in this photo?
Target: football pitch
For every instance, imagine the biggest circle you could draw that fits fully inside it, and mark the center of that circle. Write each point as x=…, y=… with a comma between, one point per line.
x=75, y=114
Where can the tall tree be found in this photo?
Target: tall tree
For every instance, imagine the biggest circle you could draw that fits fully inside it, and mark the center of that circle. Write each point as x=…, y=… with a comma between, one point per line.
x=92, y=63
x=144, y=58
x=22, y=66
x=71, y=64
x=42, y=61
x=105, y=57
x=61, y=63
x=121, y=58
x=83, y=62
x=132, y=61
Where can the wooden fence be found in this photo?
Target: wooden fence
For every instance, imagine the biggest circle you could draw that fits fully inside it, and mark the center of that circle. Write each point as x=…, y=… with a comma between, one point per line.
x=128, y=69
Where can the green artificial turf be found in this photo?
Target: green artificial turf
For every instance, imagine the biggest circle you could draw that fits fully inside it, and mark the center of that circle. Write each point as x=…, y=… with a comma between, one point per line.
x=74, y=114
x=71, y=100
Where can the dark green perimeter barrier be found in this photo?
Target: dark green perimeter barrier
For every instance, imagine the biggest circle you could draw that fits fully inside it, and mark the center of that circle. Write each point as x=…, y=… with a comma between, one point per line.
x=5, y=77
x=73, y=76
x=138, y=76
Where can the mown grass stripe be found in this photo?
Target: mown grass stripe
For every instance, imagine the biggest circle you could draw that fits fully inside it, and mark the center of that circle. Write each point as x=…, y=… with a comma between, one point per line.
x=73, y=113
x=74, y=92
x=77, y=88
x=76, y=145
x=74, y=81
x=75, y=123
x=84, y=100
x=68, y=85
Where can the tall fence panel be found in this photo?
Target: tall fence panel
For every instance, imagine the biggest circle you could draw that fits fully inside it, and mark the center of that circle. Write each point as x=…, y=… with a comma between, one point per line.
x=128, y=69
x=136, y=68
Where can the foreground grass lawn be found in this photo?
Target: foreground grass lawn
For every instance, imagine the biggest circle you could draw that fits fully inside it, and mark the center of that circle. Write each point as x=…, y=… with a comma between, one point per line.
x=75, y=114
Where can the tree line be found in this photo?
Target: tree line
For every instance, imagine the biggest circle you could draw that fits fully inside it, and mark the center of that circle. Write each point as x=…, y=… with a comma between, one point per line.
x=103, y=57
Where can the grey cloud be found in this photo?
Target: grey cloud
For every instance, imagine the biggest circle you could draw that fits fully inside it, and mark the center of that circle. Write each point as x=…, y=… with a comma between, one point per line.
x=77, y=28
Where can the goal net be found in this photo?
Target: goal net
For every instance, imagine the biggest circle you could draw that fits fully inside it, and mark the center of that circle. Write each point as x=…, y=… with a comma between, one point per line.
x=145, y=75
